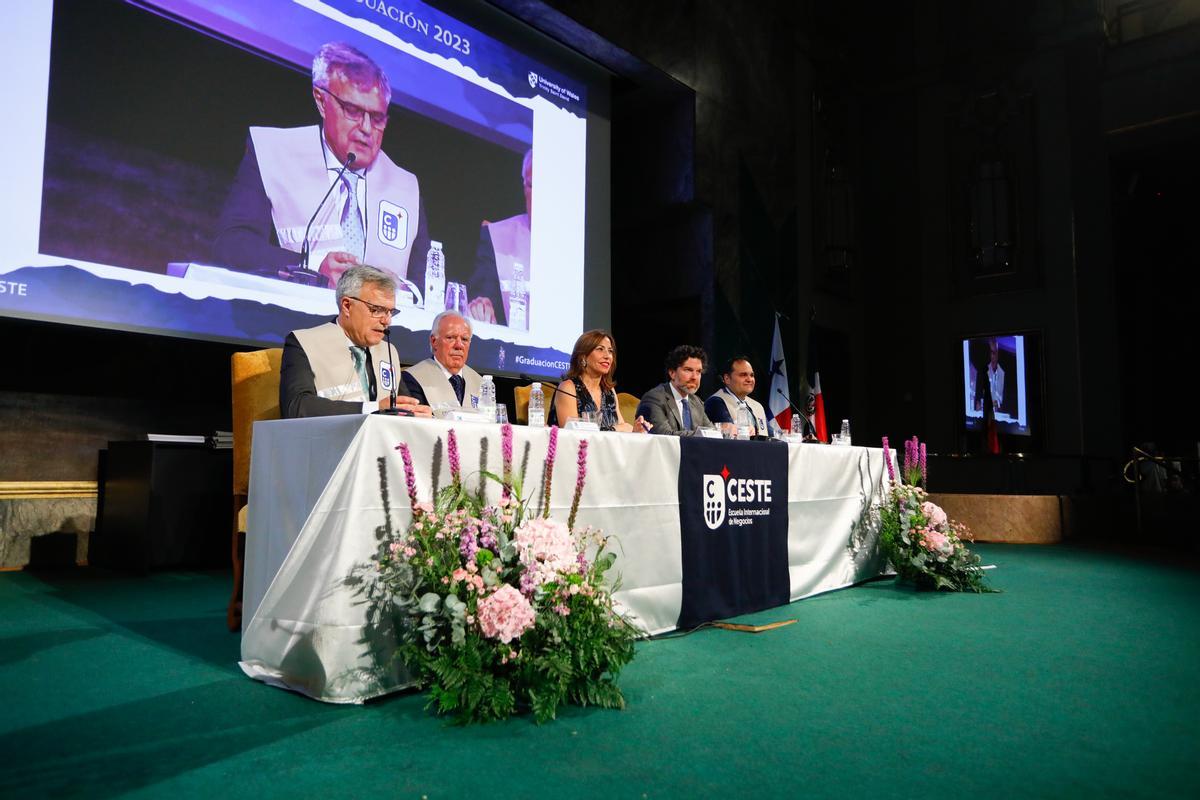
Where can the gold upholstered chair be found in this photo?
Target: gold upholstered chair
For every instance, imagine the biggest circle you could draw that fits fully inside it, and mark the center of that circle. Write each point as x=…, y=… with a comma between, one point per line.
x=628, y=404
x=255, y=397
x=521, y=401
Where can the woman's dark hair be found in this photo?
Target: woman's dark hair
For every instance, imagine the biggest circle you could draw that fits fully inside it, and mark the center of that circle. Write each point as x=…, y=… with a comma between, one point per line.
x=585, y=344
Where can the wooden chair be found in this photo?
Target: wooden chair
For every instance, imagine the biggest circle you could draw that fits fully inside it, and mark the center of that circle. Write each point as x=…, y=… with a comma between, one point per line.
x=521, y=401
x=255, y=397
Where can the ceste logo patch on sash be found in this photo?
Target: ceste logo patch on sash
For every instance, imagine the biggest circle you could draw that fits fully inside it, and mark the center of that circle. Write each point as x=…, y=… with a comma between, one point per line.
x=393, y=225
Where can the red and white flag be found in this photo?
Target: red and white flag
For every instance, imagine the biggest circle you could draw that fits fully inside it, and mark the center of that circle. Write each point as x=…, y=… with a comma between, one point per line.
x=814, y=405
x=817, y=408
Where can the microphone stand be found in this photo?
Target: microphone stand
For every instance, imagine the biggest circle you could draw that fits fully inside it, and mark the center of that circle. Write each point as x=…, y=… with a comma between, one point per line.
x=302, y=274
x=392, y=411
x=811, y=435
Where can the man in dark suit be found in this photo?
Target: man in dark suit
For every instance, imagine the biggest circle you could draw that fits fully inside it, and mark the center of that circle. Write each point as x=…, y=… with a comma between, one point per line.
x=673, y=407
x=344, y=366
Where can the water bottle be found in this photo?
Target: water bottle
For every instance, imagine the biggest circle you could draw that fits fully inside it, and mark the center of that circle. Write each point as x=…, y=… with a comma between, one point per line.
x=537, y=407
x=435, y=278
x=518, y=299
x=745, y=423
x=487, y=398
x=845, y=435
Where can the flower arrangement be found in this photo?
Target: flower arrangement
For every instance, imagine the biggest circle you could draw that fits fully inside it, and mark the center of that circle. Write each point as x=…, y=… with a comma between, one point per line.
x=498, y=609
x=925, y=547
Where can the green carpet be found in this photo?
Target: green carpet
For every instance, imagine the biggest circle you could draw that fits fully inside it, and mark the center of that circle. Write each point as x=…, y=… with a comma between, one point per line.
x=1079, y=680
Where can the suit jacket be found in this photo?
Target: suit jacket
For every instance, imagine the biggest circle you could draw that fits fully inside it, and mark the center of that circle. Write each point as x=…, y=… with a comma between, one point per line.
x=298, y=395
x=425, y=381
x=659, y=408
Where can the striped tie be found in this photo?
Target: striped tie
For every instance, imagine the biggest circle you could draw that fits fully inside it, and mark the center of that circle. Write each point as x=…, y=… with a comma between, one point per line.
x=352, y=221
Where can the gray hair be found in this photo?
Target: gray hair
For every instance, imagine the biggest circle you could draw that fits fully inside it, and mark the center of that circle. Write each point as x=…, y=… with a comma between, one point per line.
x=352, y=280
x=527, y=163
x=449, y=313
x=356, y=66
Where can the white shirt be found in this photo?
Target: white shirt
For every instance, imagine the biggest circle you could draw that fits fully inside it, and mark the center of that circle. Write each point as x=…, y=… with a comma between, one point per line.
x=334, y=166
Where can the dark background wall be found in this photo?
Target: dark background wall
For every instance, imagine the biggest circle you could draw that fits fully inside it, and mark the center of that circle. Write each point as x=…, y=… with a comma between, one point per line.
x=813, y=161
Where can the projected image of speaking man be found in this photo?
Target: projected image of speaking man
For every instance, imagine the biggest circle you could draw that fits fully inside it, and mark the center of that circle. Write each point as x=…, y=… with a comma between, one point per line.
x=502, y=245
x=374, y=213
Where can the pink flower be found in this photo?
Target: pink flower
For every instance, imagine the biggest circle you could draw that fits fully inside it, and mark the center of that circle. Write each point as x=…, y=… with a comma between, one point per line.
x=506, y=454
x=505, y=614
x=545, y=548
x=936, y=542
x=581, y=476
x=459, y=574
x=452, y=455
x=887, y=459
x=935, y=515
x=551, y=452
x=410, y=476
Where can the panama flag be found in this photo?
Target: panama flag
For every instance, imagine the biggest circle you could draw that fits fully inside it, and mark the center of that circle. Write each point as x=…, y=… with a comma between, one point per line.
x=780, y=400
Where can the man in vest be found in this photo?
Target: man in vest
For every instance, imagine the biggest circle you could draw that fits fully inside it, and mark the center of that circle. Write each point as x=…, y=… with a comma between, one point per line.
x=344, y=366
x=374, y=213
x=445, y=380
x=722, y=406
x=502, y=246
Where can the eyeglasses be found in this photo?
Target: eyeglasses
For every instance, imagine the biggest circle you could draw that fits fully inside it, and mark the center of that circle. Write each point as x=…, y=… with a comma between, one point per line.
x=378, y=312
x=355, y=114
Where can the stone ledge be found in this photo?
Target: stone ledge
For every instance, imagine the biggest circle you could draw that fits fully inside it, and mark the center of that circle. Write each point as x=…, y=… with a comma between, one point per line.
x=23, y=519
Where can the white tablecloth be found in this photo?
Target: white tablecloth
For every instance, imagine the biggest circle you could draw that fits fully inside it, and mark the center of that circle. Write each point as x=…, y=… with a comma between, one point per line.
x=315, y=505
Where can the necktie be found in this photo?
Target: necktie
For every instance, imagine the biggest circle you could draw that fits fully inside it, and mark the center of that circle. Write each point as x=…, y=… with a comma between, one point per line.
x=687, y=413
x=460, y=387
x=360, y=367
x=749, y=413
x=352, y=221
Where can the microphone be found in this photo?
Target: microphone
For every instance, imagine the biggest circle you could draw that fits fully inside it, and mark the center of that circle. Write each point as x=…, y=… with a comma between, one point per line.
x=391, y=354
x=302, y=274
x=804, y=417
x=535, y=379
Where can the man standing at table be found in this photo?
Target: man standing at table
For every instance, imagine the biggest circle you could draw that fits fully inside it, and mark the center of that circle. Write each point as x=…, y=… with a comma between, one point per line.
x=722, y=406
x=344, y=366
x=374, y=214
x=444, y=379
x=673, y=407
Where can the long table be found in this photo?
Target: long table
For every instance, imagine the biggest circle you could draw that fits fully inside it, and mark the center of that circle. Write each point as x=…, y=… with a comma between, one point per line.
x=315, y=507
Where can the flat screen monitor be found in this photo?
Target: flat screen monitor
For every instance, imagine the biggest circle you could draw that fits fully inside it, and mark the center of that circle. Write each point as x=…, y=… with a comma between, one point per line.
x=1005, y=368
x=170, y=157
